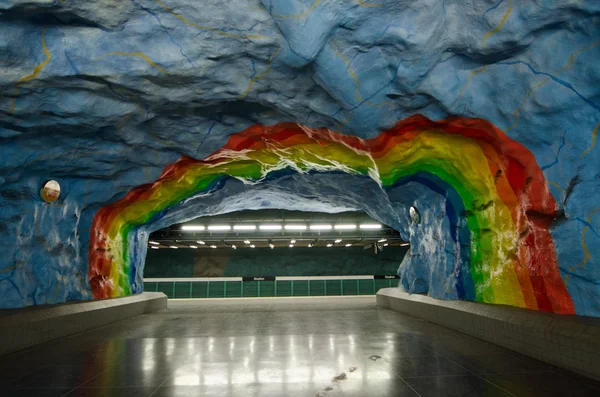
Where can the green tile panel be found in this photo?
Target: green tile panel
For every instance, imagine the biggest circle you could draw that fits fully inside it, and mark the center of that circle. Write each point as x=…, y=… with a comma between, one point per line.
x=181, y=289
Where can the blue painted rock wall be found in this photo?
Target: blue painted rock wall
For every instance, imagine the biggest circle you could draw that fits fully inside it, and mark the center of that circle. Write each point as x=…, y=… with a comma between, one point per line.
x=101, y=95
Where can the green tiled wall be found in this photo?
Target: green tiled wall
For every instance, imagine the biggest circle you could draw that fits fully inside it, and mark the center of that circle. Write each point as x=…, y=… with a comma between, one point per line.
x=248, y=289
x=296, y=261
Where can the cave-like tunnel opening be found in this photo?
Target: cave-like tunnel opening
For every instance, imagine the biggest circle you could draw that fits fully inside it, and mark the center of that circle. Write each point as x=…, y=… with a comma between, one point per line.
x=483, y=211
x=274, y=253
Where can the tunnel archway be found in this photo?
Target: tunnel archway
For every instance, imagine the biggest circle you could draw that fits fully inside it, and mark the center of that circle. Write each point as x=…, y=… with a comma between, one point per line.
x=497, y=200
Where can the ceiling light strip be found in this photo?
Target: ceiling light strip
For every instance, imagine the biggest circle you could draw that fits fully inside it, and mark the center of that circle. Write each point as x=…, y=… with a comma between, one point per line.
x=192, y=228
x=370, y=226
x=320, y=227
x=219, y=227
x=244, y=227
x=295, y=227
x=270, y=227
x=345, y=227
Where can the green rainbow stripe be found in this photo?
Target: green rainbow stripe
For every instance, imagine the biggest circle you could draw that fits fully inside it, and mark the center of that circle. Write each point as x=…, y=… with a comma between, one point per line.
x=511, y=260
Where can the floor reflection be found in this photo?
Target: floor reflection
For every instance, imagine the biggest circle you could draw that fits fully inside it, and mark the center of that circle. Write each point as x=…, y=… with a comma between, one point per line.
x=280, y=347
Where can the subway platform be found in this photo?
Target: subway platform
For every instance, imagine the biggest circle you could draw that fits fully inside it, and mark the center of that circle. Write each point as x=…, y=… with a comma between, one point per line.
x=313, y=347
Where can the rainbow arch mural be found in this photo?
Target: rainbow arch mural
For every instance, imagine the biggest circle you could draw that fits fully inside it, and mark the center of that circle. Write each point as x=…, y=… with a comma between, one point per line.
x=491, y=182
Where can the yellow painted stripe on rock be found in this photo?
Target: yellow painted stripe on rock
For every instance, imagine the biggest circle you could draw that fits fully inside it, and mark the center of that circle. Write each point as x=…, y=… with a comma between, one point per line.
x=207, y=28
x=134, y=54
x=35, y=73
x=500, y=25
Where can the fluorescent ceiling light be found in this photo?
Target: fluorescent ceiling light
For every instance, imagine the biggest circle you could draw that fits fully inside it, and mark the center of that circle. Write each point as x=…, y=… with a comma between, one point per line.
x=244, y=227
x=233, y=246
x=192, y=227
x=295, y=227
x=404, y=244
x=219, y=227
x=370, y=226
x=339, y=240
x=320, y=227
x=291, y=245
x=213, y=246
x=193, y=246
x=155, y=248
x=154, y=243
x=174, y=247
x=270, y=227
x=383, y=240
x=345, y=227
x=246, y=241
x=293, y=241
x=200, y=242
x=348, y=245
x=252, y=246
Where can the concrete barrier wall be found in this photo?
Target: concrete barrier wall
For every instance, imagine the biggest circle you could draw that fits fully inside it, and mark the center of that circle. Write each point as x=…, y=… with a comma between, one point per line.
x=569, y=342
x=24, y=328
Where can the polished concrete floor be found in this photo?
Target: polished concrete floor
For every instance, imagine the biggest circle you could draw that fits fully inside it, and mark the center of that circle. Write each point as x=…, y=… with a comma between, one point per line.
x=279, y=347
